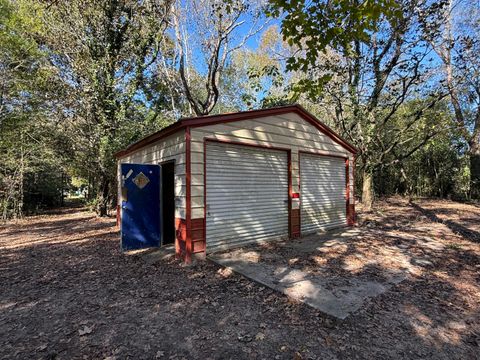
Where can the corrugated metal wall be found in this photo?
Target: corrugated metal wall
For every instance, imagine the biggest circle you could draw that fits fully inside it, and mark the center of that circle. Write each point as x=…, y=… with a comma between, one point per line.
x=247, y=195
x=322, y=192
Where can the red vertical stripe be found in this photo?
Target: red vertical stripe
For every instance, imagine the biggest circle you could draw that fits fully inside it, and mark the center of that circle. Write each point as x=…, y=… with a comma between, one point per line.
x=352, y=205
x=188, y=205
x=347, y=190
x=205, y=192
x=290, y=192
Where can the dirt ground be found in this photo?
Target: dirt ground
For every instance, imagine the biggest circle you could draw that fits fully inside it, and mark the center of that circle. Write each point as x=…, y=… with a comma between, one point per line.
x=67, y=292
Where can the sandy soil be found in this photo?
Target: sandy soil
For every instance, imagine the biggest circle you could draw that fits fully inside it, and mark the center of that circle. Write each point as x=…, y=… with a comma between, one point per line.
x=67, y=292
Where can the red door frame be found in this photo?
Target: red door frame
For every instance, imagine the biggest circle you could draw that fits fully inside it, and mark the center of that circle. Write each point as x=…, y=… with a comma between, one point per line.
x=248, y=144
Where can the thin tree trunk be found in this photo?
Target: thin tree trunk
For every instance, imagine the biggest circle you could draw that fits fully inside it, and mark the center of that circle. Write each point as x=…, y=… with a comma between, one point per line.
x=367, y=190
x=475, y=168
x=102, y=195
x=62, y=202
x=19, y=210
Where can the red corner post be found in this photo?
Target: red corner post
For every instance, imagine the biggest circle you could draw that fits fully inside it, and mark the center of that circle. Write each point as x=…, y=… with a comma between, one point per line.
x=350, y=204
x=188, y=205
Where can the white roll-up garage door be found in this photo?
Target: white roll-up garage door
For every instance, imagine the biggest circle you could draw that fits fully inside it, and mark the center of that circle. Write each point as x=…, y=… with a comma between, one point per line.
x=246, y=195
x=323, y=192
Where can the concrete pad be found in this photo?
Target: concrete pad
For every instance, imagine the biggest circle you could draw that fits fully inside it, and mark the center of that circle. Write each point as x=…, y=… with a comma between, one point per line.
x=312, y=289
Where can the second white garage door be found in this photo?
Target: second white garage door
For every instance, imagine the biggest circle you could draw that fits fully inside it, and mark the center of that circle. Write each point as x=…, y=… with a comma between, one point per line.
x=323, y=192
x=246, y=195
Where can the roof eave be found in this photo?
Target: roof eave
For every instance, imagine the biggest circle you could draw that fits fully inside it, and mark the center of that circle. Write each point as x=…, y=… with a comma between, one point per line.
x=245, y=115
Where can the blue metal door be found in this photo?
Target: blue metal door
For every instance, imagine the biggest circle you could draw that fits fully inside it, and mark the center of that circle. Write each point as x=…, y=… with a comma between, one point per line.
x=140, y=227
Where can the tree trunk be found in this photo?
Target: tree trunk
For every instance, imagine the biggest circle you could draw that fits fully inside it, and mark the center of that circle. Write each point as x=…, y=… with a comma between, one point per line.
x=62, y=200
x=21, y=195
x=367, y=190
x=475, y=169
x=102, y=195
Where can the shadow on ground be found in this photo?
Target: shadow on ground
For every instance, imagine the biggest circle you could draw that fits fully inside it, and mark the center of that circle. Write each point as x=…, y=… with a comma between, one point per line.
x=451, y=224
x=67, y=292
x=290, y=268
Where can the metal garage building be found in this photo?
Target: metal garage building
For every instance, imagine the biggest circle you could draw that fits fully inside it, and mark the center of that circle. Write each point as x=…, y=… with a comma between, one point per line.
x=214, y=182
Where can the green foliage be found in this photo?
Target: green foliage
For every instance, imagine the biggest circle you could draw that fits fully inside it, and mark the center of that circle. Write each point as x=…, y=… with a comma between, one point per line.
x=439, y=168
x=44, y=188
x=314, y=26
x=462, y=180
x=364, y=65
x=77, y=85
x=27, y=86
x=431, y=171
x=261, y=75
x=105, y=53
x=80, y=80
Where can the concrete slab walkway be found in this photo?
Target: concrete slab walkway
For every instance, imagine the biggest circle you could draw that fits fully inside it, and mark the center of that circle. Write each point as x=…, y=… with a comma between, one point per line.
x=271, y=269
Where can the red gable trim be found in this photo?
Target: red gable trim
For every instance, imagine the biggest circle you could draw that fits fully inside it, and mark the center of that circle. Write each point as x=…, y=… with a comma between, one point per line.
x=244, y=115
x=169, y=130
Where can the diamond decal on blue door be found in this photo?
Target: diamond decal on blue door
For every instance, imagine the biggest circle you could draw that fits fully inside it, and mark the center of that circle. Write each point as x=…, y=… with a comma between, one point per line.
x=141, y=180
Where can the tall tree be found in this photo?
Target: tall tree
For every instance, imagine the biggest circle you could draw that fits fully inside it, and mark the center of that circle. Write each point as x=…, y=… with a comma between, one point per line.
x=207, y=34
x=27, y=87
x=379, y=62
x=454, y=31
x=258, y=76
x=105, y=52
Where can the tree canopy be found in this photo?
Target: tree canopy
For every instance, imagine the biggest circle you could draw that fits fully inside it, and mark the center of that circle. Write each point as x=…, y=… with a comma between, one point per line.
x=80, y=80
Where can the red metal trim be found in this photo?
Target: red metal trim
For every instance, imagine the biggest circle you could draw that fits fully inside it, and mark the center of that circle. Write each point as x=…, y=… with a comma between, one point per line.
x=300, y=191
x=246, y=143
x=169, y=130
x=353, y=190
x=290, y=192
x=347, y=190
x=296, y=231
x=188, y=205
x=198, y=242
x=241, y=115
x=245, y=115
x=268, y=147
x=320, y=153
x=205, y=192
